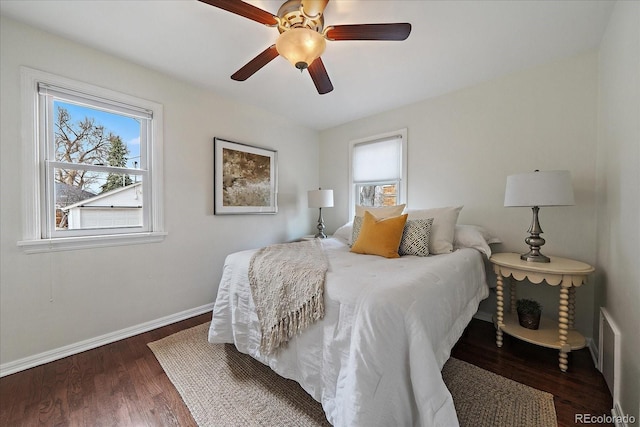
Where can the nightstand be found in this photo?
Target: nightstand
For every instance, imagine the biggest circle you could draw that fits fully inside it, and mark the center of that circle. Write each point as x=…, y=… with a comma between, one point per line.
x=307, y=237
x=567, y=273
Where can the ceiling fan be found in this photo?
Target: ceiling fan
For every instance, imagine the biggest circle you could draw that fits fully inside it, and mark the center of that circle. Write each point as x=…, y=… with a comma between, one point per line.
x=303, y=34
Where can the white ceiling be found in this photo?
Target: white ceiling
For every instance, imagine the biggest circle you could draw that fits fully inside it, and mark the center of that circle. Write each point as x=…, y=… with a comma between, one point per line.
x=453, y=44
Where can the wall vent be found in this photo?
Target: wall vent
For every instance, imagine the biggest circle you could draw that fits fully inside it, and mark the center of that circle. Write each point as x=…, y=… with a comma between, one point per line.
x=609, y=353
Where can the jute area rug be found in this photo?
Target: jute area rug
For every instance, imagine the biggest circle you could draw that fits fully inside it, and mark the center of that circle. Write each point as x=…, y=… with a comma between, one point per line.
x=223, y=387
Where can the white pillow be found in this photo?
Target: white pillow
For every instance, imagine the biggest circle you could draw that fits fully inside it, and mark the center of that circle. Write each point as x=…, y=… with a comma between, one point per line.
x=474, y=236
x=380, y=212
x=442, y=229
x=344, y=232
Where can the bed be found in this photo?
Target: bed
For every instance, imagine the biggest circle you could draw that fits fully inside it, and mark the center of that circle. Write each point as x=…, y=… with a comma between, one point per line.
x=389, y=325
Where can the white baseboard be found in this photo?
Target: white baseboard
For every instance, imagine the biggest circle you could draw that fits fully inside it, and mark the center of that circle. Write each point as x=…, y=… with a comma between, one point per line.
x=619, y=418
x=69, y=350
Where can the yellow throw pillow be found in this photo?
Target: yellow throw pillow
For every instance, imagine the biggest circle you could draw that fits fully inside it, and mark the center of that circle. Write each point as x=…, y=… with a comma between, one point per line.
x=380, y=236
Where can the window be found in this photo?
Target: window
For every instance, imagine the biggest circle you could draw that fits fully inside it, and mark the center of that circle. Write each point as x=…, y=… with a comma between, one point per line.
x=378, y=170
x=93, y=165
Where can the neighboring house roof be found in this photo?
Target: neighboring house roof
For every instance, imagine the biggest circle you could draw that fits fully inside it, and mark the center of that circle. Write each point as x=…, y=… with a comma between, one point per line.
x=109, y=198
x=69, y=194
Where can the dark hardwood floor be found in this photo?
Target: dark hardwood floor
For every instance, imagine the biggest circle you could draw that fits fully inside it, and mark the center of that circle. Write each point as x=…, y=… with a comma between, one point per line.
x=122, y=384
x=119, y=384
x=580, y=390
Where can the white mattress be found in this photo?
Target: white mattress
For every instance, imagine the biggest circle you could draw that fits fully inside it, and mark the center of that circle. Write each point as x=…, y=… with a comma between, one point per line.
x=389, y=327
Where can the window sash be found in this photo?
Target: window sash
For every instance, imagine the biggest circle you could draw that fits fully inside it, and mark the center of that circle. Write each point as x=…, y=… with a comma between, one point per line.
x=69, y=95
x=48, y=94
x=47, y=128
x=96, y=168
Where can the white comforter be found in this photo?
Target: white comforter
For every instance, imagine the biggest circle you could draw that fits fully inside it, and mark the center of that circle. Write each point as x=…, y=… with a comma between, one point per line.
x=389, y=326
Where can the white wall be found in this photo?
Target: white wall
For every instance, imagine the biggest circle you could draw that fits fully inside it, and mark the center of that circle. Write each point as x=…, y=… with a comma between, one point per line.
x=462, y=146
x=53, y=300
x=618, y=184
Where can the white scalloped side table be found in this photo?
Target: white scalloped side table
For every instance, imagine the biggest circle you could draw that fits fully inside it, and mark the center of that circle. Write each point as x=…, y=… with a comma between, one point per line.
x=567, y=273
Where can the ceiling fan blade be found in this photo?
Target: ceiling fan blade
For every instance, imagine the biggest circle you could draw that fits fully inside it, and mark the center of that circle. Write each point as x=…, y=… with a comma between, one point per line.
x=320, y=77
x=398, y=31
x=313, y=8
x=266, y=56
x=244, y=9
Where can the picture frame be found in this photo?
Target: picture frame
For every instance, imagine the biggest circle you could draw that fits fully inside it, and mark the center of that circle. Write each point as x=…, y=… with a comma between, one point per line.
x=245, y=178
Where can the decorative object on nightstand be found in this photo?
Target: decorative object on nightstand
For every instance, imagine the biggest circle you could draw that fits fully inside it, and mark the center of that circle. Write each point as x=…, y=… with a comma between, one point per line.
x=529, y=312
x=535, y=189
x=567, y=273
x=320, y=199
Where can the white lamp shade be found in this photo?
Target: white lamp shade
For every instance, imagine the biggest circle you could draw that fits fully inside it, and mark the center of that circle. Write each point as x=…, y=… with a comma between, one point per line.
x=541, y=188
x=320, y=198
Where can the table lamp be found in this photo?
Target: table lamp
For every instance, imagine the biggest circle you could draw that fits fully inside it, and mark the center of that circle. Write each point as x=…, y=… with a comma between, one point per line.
x=320, y=199
x=535, y=189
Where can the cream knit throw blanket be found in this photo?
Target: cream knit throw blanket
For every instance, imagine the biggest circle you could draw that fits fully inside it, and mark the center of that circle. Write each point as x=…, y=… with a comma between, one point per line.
x=287, y=285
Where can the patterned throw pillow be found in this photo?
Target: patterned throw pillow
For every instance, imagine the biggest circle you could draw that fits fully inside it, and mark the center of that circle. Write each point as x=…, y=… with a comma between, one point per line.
x=415, y=238
x=355, y=232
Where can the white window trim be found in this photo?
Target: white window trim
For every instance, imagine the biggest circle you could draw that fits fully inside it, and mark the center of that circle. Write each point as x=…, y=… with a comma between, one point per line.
x=402, y=197
x=31, y=177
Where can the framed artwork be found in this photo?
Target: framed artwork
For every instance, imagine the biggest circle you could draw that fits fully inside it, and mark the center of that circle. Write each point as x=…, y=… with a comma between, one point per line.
x=245, y=179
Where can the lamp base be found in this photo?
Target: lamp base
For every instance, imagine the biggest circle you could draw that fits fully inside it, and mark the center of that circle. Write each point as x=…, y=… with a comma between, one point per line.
x=534, y=240
x=534, y=256
x=320, y=227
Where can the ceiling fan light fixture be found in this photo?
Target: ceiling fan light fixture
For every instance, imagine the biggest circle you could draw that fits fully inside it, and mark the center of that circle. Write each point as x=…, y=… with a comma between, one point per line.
x=300, y=46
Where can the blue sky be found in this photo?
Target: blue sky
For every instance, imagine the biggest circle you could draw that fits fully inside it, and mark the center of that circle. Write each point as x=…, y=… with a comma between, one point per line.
x=126, y=127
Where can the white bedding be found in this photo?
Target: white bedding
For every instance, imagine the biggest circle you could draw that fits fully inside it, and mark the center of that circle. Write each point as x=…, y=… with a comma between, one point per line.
x=389, y=327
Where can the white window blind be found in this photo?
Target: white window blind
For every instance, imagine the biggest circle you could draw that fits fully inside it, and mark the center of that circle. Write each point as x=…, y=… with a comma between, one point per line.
x=378, y=170
x=378, y=161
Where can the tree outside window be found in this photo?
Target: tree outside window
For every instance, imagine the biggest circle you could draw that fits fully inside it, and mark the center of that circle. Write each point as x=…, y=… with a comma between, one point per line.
x=81, y=138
